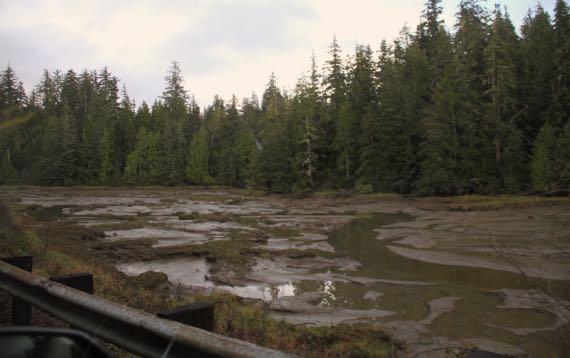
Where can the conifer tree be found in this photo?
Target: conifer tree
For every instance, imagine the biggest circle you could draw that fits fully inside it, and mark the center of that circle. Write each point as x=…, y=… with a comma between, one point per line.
x=305, y=114
x=143, y=162
x=561, y=85
x=537, y=47
x=107, y=172
x=8, y=174
x=197, y=171
x=502, y=111
x=562, y=158
x=475, y=153
x=434, y=41
x=542, y=166
x=273, y=164
x=345, y=145
x=173, y=118
x=12, y=95
x=334, y=94
x=363, y=98
x=48, y=164
x=227, y=169
x=48, y=93
x=441, y=143
x=124, y=131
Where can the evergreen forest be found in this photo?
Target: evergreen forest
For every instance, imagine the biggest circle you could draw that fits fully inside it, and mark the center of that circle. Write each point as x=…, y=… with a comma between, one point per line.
x=474, y=108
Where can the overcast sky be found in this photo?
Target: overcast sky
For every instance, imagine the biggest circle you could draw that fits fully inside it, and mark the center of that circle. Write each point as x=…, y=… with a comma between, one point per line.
x=224, y=47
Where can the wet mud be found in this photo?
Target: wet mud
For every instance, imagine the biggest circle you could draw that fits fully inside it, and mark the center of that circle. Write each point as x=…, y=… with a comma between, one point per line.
x=439, y=281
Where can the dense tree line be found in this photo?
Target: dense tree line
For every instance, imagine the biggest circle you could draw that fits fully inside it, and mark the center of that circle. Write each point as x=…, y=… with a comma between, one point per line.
x=480, y=109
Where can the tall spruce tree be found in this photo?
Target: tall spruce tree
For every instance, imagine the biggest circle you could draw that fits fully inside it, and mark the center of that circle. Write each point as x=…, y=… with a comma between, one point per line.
x=173, y=119
x=434, y=41
x=334, y=94
x=441, y=143
x=362, y=95
x=142, y=163
x=197, y=162
x=12, y=95
x=542, y=166
x=561, y=86
x=537, y=47
x=476, y=151
x=503, y=110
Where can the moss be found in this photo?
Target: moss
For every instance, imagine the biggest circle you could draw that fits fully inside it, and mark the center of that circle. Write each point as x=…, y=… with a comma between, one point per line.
x=238, y=318
x=45, y=213
x=487, y=203
x=151, y=279
x=13, y=241
x=217, y=217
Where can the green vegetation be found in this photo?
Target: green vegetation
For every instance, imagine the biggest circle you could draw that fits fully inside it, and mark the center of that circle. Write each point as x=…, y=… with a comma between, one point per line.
x=13, y=241
x=254, y=324
x=479, y=110
x=479, y=202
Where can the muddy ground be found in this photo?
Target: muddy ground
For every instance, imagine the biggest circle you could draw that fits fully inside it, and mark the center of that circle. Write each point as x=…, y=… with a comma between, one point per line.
x=433, y=276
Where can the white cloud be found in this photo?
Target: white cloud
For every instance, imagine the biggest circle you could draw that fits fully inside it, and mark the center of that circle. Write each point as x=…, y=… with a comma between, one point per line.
x=224, y=47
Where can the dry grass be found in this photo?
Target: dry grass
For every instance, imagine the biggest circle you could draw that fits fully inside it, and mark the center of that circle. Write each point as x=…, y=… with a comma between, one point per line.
x=486, y=203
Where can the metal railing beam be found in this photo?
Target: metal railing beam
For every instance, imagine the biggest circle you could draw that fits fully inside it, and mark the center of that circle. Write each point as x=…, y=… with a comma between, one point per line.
x=133, y=330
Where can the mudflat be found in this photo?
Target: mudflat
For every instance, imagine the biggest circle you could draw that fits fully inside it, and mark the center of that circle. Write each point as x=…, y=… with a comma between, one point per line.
x=433, y=273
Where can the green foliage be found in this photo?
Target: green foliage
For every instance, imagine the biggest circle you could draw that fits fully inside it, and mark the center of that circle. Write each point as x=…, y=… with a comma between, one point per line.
x=562, y=158
x=441, y=145
x=535, y=84
x=541, y=171
x=437, y=113
x=13, y=241
x=143, y=161
x=8, y=174
x=345, y=144
x=197, y=161
x=560, y=112
x=107, y=171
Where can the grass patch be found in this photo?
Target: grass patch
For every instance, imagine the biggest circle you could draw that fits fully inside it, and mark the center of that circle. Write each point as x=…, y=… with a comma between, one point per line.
x=45, y=213
x=217, y=217
x=123, y=225
x=239, y=319
x=356, y=194
x=330, y=194
x=379, y=196
x=487, y=203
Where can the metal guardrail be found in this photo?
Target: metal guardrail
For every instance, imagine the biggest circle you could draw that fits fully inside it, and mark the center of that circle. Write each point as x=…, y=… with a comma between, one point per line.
x=138, y=332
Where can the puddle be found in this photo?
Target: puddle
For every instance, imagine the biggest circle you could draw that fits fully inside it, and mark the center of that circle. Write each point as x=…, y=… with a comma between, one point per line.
x=115, y=210
x=308, y=222
x=49, y=201
x=203, y=207
x=288, y=244
x=186, y=271
x=152, y=233
x=203, y=226
x=479, y=311
x=163, y=237
x=95, y=223
x=194, y=272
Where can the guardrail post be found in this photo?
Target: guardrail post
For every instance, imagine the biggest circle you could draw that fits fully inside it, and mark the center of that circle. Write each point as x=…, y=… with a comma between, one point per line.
x=198, y=314
x=79, y=281
x=21, y=310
